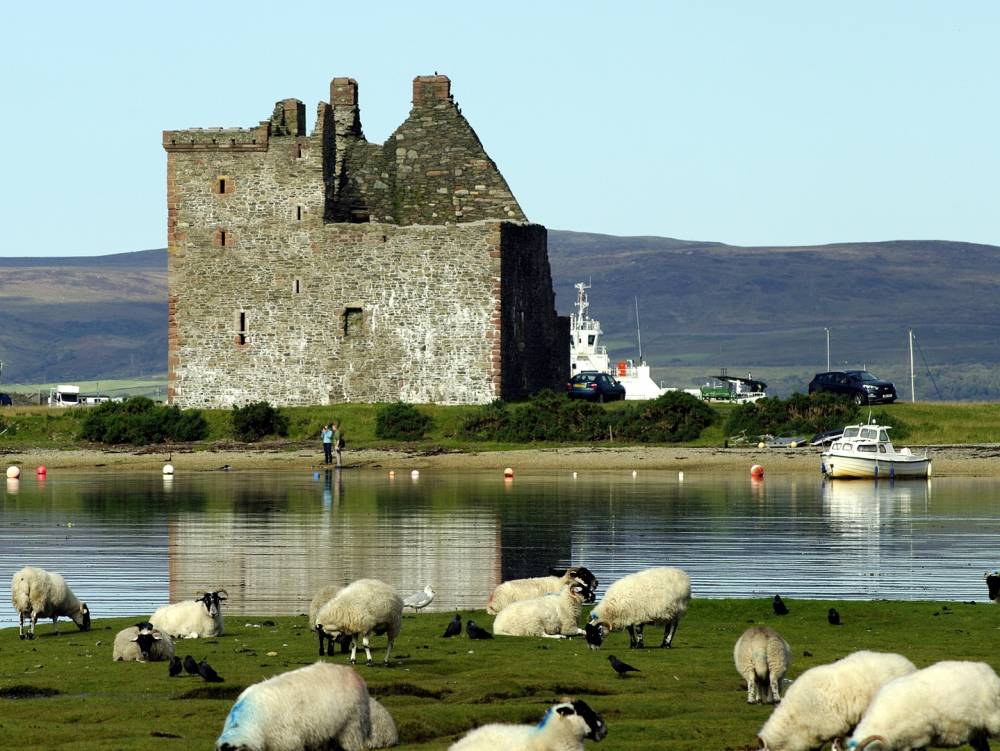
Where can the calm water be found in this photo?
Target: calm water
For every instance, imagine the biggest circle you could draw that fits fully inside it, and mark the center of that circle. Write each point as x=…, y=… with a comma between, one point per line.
x=128, y=543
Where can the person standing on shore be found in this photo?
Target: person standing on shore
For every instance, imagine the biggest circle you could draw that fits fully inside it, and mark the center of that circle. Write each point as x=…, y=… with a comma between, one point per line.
x=338, y=441
x=326, y=435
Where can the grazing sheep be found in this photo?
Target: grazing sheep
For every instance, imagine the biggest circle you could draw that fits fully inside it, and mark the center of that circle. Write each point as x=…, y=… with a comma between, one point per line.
x=384, y=732
x=655, y=595
x=563, y=728
x=946, y=705
x=142, y=643
x=556, y=616
x=525, y=589
x=993, y=584
x=826, y=701
x=37, y=593
x=316, y=707
x=762, y=657
x=192, y=619
x=362, y=608
x=320, y=599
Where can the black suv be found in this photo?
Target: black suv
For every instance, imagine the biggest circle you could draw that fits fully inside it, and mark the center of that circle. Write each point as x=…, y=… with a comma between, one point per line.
x=5, y=400
x=860, y=385
x=595, y=387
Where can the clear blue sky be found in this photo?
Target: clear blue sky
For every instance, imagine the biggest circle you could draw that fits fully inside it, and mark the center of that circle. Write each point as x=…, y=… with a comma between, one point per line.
x=743, y=122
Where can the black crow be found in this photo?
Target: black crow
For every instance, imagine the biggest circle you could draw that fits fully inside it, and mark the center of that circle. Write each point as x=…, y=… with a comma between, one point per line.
x=208, y=673
x=833, y=617
x=779, y=606
x=475, y=632
x=454, y=627
x=175, y=667
x=621, y=667
x=190, y=665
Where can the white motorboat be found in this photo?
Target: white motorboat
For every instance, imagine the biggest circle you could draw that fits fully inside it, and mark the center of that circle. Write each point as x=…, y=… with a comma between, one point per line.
x=587, y=353
x=865, y=451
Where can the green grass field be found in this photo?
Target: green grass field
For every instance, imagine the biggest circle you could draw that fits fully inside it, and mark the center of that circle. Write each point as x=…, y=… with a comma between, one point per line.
x=65, y=692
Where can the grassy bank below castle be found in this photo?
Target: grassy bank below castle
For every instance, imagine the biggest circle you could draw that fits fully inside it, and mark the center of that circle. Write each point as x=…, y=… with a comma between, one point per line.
x=65, y=692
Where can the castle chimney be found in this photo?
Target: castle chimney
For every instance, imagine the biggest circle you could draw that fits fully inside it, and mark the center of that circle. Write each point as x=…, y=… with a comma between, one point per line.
x=344, y=92
x=428, y=90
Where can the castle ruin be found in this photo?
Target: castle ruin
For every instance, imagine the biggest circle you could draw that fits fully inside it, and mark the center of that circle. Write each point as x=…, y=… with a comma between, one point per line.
x=321, y=268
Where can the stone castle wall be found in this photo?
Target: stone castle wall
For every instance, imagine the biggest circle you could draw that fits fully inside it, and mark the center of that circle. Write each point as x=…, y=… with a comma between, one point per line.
x=310, y=269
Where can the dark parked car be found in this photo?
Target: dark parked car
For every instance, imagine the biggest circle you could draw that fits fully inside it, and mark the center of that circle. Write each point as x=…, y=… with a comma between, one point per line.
x=5, y=400
x=595, y=387
x=859, y=385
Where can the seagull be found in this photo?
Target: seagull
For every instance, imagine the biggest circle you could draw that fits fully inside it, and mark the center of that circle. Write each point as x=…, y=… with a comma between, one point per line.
x=191, y=666
x=833, y=617
x=454, y=627
x=208, y=673
x=175, y=667
x=420, y=599
x=779, y=606
x=621, y=667
x=475, y=632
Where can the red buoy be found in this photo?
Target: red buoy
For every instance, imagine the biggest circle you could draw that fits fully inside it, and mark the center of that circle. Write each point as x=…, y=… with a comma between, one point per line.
x=756, y=471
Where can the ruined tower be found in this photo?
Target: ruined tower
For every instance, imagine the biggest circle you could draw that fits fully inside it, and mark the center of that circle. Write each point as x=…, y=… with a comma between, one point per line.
x=318, y=268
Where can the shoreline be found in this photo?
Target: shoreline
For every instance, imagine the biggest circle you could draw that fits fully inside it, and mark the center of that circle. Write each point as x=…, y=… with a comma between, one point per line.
x=982, y=460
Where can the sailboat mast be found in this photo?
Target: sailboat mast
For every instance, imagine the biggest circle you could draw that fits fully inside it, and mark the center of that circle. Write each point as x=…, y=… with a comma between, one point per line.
x=913, y=378
x=638, y=332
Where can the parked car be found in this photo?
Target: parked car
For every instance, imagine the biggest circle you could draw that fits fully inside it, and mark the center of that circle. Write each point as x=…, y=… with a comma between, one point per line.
x=860, y=385
x=5, y=400
x=595, y=387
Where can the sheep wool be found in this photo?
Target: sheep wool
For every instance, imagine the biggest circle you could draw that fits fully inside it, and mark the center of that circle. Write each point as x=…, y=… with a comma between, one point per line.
x=563, y=728
x=654, y=595
x=762, y=657
x=525, y=589
x=946, y=705
x=135, y=644
x=192, y=619
x=362, y=608
x=383, y=733
x=318, y=706
x=323, y=596
x=37, y=593
x=826, y=701
x=554, y=616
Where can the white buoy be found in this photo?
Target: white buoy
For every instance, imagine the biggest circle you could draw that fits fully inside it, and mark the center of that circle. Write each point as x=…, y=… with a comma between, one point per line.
x=13, y=472
x=680, y=477
x=415, y=474
x=168, y=469
x=508, y=472
x=392, y=475
x=634, y=473
x=574, y=475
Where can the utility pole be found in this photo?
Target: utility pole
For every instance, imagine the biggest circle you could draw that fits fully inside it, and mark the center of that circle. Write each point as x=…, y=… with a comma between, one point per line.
x=913, y=378
x=827, y=348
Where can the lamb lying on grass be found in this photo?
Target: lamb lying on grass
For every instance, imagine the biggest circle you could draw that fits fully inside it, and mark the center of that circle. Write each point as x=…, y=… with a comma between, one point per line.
x=555, y=616
x=563, y=728
x=142, y=643
x=525, y=589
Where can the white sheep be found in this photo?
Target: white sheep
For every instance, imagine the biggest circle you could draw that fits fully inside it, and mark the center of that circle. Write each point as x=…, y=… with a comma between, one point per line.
x=563, y=728
x=362, y=608
x=192, y=619
x=524, y=589
x=142, y=643
x=655, y=595
x=318, y=706
x=945, y=705
x=323, y=596
x=762, y=656
x=826, y=701
x=383, y=733
x=37, y=593
x=556, y=616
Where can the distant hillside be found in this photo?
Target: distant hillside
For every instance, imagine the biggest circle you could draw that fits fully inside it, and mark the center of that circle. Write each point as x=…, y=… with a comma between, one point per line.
x=702, y=306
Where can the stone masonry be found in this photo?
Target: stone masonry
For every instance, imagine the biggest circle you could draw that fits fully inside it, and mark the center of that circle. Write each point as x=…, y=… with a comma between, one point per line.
x=320, y=268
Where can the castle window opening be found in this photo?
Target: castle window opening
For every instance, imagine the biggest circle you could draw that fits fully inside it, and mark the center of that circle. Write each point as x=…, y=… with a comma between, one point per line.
x=298, y=151
x=241, y=332
x=298, y=213
x=222, y=185
x=296, y=286
x=222, y=238
x=353, y=320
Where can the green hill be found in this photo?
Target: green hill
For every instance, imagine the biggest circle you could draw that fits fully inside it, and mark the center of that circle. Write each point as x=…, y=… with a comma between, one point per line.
x=702, y=306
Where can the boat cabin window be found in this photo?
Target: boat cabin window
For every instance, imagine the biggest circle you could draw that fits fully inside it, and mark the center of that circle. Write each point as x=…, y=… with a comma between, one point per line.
x=850, y=432
x=868, y=433
x=867, y=447
x=881, y=448
x=590, y=340
x=883, y=435
x=835, y=447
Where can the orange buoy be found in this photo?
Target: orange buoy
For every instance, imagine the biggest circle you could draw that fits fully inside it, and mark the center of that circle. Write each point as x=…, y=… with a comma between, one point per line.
x=622, y=368
x=756, y=471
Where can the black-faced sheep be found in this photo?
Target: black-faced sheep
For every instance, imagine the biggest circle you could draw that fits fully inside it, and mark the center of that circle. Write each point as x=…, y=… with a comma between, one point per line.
x=316, y=707
x=525, y=589
x=192, y=619
x=762, y=657
x=993, y=585
x=945, y=705
x=320, y=599
x=142, y=643
x=37, y=593
x=655, y=595
x=363, y=608
x=826, y=701
x=555, y=616
x=563, y=728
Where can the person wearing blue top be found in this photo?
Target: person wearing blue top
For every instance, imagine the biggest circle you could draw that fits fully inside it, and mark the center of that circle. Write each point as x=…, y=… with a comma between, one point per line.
x=326, y=434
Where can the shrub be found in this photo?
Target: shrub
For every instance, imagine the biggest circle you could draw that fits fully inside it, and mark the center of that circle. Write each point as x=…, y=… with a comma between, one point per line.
x=798, y=414
x=670, y=418
x=401, y=422
x=139, y=421
x=253, y=421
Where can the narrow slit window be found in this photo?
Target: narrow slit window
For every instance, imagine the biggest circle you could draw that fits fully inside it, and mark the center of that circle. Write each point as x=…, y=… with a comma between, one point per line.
x=298, y=150
x=296, y=286
x=241, y=334
x=353, y=320
x=298, y=213
x=222, y=185
x=222, y=238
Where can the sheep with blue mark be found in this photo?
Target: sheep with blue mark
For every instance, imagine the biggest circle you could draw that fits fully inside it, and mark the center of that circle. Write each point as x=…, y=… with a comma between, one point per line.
x=37, y=593
x=563, y=728
x=525, y=589
x=556, y=616
x=652, y=596
x=945, y=705
x=142, y=642
x=192, y=619
x=362, y=608
x=319, y=706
